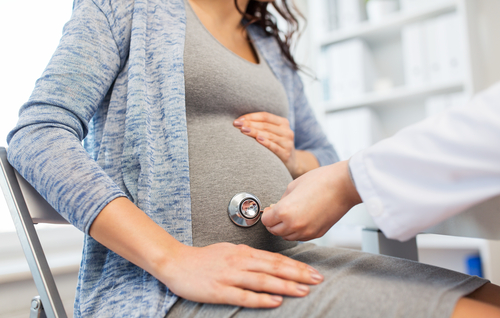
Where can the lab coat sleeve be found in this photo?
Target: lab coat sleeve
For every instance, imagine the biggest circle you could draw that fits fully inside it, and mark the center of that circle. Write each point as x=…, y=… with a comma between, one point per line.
x=434, y=169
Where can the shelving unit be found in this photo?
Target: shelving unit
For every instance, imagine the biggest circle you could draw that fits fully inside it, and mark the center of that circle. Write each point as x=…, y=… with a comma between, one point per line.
x=376, y=32
x=400, y=104
x=396, y=96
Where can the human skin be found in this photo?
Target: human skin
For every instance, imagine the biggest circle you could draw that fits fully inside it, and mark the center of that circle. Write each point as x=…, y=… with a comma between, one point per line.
x=221, y=273
x=274, y=133
x=207, y=274
x=313, y=203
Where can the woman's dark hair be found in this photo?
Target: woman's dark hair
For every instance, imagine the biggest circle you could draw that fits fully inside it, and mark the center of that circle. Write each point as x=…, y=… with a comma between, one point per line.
x=257, y=13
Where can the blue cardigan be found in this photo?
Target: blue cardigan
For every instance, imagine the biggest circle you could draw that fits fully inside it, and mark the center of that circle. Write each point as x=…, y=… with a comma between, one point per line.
x=116, y=79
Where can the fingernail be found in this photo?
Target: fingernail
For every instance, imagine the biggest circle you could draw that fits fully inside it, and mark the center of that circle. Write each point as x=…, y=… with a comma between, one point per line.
x=260, y=138
x=303, y=289
x=238, y=123
x=313, y=270
x=317, y=277
x=277, y=299
x=246, y=130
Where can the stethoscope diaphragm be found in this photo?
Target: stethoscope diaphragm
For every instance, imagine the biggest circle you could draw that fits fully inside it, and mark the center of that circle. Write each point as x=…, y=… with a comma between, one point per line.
x=244, y=209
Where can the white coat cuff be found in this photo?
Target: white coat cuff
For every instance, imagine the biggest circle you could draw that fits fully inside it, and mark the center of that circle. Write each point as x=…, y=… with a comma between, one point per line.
x=374, y=203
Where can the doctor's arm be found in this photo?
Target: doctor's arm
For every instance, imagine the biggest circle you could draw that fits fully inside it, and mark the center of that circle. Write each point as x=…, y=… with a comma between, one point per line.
x=424, y=174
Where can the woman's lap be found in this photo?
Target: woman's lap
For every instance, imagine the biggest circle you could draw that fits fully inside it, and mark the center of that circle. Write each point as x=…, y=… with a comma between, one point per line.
x=357, y=284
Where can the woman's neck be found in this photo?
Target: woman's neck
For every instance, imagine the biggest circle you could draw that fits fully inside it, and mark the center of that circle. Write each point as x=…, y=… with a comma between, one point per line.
x=223, y=20
x=220, y=15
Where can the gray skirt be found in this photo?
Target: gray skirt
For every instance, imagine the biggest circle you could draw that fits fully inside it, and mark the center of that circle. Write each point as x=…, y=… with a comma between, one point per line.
x=357, y=284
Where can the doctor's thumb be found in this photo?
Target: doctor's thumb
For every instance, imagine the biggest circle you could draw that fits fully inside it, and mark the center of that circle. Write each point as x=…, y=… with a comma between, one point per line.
x=270, y=216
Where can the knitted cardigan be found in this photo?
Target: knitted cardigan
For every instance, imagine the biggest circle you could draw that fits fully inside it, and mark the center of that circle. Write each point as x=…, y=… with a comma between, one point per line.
x=116, y=80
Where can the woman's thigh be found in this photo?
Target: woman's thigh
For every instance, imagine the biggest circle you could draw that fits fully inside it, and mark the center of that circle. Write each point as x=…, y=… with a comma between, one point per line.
x=357, y=284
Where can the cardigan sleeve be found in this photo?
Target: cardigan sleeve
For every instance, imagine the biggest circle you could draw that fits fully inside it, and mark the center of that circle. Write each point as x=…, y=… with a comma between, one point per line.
x=308, y=133
x=46, y=144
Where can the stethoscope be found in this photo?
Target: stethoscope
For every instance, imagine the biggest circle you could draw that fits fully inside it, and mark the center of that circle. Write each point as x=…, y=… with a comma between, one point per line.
x=244, y=209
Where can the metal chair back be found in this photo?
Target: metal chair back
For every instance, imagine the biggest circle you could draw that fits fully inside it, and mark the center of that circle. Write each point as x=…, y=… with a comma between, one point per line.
x=27, y=207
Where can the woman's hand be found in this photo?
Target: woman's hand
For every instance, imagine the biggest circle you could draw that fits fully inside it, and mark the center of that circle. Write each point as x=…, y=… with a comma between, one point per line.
x=238, y=275
x=274, y=133
x=221, y=273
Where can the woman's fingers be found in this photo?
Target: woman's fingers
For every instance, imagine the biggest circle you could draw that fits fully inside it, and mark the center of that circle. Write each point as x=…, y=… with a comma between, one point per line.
x=268, y=125
x=279, y=130
x=277, y=265
x=277, y=149
x=282, y=142
x=264, y=117
x=224, y=273
x=274, y=133
x=282, y=267
x=246, y=298
x=264, y=283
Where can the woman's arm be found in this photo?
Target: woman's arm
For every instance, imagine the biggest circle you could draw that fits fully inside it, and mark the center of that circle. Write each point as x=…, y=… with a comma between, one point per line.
x=45, y=146
x=309, y=135
x=221, y=273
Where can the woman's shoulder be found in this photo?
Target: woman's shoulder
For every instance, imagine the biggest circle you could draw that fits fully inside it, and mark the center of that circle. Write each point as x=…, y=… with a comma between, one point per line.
x=269, y=48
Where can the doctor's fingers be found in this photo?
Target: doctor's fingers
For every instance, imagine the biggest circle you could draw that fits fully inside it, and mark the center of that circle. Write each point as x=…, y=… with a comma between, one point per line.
x=271, y=216
x=294, y=230
x=302, y=236
x=280, y=229
x=289, y=189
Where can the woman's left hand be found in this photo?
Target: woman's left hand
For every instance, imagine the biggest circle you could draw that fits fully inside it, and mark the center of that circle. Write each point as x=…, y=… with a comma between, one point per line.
x=274, y=133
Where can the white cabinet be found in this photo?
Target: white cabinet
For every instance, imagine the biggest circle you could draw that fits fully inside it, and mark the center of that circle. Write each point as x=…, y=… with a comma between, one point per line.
x=422, y=59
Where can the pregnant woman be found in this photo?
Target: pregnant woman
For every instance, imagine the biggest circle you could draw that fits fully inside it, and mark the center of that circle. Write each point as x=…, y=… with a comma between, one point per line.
x=182, y=106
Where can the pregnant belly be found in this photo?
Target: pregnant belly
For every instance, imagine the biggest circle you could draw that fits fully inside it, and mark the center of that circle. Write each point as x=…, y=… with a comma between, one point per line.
x=222, y=163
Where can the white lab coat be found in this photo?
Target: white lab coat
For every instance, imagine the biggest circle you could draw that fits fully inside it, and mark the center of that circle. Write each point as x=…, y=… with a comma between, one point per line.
x=434, y=169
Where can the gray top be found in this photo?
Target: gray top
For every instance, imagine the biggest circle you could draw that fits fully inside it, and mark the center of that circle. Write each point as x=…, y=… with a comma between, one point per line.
x=220, y=87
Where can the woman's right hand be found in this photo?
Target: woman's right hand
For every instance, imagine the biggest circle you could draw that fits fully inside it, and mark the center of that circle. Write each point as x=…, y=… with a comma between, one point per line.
x=222, y=273
x=238, y=275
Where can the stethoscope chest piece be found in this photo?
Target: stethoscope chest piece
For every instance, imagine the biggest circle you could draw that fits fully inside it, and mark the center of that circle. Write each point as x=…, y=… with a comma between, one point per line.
x=244, y=209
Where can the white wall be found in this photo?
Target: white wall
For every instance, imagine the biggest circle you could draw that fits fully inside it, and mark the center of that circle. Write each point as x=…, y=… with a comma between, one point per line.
x=29, y=33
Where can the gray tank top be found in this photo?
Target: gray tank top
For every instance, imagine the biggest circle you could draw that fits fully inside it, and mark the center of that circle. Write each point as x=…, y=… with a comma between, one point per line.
x=220, y=87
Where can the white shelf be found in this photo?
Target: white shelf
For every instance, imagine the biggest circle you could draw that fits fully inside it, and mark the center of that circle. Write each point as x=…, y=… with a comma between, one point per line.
x=397, y=95
x=391, y=26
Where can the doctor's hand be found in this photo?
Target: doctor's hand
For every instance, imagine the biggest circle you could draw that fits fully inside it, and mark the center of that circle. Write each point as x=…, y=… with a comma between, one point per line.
x=312, y=204
x=274, y=133
x=237, y=275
